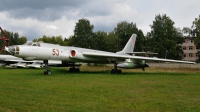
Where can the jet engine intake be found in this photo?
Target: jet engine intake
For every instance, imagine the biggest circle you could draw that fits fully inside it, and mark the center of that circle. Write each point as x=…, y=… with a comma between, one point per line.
x=72, y=53
x=75, y=54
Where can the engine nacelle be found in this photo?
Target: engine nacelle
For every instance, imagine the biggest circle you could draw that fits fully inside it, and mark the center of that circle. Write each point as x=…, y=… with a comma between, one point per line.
x=132, y=65
x=78, y=56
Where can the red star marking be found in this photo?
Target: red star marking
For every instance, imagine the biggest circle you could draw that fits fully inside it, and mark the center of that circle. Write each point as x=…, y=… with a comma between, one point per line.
x=133, y=41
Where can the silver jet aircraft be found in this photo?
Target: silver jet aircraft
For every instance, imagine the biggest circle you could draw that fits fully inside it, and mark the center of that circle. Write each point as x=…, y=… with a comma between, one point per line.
x=71, y=55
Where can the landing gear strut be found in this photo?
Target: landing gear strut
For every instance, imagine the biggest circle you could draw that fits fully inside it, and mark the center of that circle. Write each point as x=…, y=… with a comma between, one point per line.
x=47, y=71
x=115, y=70
x=74, y=69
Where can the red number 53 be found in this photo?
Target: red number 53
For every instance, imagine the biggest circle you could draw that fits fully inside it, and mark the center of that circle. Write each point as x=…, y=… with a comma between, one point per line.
x=55, y=52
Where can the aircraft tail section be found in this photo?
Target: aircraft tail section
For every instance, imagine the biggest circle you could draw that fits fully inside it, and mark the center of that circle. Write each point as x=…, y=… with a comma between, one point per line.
x=129, y=47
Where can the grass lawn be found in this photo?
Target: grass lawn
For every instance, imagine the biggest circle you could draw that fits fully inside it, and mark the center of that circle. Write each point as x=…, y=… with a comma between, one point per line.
x=95, y=89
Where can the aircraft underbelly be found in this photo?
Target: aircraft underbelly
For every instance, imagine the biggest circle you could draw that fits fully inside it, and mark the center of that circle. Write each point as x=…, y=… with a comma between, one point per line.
x=89, y=60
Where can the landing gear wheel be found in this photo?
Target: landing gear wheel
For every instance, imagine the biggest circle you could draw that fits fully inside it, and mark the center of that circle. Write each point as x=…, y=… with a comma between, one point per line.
x=77, y=70
x=119, y=71
x=113, y=71
x=74, y=69
x=47, y=72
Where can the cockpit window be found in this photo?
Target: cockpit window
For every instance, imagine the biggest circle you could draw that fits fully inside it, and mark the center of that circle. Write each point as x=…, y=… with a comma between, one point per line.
x=34, y=45
x=38, y=44
x=29, y=43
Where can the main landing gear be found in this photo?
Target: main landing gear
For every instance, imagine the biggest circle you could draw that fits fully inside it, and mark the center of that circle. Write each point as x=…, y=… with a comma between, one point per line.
x=47, y=71
x=74, y=69
x=115, y=70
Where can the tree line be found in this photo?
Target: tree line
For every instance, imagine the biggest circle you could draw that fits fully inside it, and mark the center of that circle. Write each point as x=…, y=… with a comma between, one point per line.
x=164, y=38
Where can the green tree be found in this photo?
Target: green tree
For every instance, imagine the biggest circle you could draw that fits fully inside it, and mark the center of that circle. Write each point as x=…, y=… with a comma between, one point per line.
x=12, y=36
x=15, y=38
x=52, y=40
x=195, y=30
x=112, y=42
x=124, y=30
x=66, y=42
x=45, y=39
x=140, y=40
x=98, y=40
x=70, y=40
x=82, y=34
x=59, y=40
x=22, y=40
x=165, y=39
x=187, y=31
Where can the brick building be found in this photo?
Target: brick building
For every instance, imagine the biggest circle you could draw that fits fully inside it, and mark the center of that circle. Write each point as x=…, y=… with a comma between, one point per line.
x=190, y=49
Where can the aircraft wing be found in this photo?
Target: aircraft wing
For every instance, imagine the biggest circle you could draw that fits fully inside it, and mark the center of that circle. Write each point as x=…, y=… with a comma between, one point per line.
x=140, y=53
x=117, y=57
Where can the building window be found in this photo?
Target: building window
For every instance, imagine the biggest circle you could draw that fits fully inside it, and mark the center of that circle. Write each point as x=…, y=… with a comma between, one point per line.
x=197, y=54
x=184, y=55
x=190, y=41
x=184, y=48
x=190, y=48
x=197, y=48
x=190, y=54
x=184, y=41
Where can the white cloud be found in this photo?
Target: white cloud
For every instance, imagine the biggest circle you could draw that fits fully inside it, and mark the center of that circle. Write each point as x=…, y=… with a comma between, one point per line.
x=55, y=18
x=52, y=27
x=63, y=27
x=32, y=28
x=119, y=12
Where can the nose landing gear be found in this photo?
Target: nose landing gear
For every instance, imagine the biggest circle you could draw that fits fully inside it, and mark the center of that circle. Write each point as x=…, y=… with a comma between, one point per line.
x=47, y=71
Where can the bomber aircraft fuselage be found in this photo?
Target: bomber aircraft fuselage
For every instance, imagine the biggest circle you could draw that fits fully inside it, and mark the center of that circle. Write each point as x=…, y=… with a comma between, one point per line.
x=67, y=54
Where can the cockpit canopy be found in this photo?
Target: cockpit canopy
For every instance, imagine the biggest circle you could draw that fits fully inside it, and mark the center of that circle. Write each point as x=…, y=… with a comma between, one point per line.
x=29, y=43
x=32, y=44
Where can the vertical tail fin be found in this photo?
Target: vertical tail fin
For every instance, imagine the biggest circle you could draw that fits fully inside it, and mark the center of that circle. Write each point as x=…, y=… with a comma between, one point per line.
x=129, y=45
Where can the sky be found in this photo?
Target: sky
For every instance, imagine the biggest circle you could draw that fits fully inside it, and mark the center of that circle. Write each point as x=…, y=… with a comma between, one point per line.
x=35, y=18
